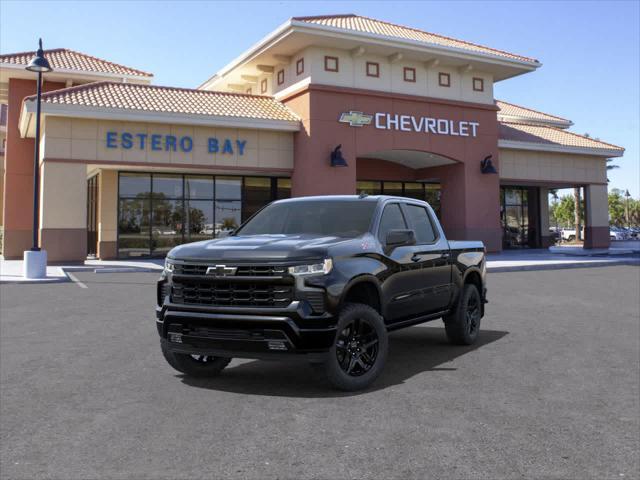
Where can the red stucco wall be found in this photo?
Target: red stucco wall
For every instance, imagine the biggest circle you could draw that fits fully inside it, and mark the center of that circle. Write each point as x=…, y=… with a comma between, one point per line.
x=18, y=178
x=470, y=200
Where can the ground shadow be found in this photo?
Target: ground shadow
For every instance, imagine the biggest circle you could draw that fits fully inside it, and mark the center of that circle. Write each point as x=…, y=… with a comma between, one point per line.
x=411, y=351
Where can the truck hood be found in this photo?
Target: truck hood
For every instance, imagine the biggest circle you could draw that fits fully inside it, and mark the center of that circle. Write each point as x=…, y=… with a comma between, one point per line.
x=257, y=248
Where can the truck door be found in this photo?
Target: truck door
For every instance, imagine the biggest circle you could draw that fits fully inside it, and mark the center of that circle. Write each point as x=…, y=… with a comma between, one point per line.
x=432, y=258
x=401, y=285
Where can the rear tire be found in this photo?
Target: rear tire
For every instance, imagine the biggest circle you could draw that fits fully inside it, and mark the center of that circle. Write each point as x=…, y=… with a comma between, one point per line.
x=360, y=349
x=463, y=324
x=194, y=365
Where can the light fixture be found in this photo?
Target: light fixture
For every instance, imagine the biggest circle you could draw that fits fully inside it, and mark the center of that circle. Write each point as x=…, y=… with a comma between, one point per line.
x=337, y=160
x=39, y=62
x=486, y=166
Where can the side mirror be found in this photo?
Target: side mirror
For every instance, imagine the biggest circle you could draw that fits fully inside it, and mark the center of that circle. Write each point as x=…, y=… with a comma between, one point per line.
x=399, y=238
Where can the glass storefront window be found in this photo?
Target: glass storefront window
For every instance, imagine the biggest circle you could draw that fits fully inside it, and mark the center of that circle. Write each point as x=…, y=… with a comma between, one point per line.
x=370, y=188
x=256, y=194
x=135, y=184
x=228, y=217
x=519, y=219
x=414, y=190
x=392, y=188
x=432, y=193
x=283, y=188
x=198, y=188
x=166, y=225
x=199, y=223
x=167, y=186
x=159, y=211
x=228, y=188
x=133, y=227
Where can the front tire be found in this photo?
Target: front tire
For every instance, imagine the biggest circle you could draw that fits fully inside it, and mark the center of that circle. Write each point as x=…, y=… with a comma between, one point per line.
x=194, y=365
x=463, y=324
x=360, y=349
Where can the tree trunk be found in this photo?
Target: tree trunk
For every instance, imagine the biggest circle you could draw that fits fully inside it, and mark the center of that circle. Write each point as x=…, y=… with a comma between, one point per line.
x=576, y=209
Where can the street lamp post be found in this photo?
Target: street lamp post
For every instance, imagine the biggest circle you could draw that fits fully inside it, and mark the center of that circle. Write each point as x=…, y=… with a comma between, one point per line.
x=35, y=260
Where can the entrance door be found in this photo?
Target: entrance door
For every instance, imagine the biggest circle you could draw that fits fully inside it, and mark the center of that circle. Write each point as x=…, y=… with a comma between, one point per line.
x=519, y=214
x=92, y=216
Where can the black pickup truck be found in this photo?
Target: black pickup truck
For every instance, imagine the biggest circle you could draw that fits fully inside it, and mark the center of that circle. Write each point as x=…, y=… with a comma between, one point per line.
x=319, y=278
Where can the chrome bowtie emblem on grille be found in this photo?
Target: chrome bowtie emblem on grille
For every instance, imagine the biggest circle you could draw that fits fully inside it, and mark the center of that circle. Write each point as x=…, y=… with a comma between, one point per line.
x=221, y=270
x=355, y=119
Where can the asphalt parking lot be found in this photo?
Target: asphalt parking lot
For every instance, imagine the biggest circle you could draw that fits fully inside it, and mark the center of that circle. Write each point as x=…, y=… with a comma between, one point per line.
x=550, y=391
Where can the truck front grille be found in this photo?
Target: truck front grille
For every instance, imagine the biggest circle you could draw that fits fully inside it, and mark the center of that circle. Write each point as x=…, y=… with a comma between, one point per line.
x=243, y=270
x=231, y=294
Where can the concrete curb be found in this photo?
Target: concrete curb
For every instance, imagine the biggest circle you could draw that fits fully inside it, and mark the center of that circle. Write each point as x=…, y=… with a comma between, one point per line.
x=125, y=270
x=561, y=266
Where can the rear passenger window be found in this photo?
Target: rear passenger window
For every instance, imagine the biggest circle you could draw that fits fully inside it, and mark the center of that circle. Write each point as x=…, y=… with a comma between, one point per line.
x=392, y=219
x=418, y=219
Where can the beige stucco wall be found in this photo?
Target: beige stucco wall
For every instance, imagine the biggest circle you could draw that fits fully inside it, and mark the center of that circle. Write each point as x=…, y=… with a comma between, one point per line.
x=81, y=139
x=63, y=196
x=352, y=73
x=108, y=206
x=552, y=167
x=597, y=211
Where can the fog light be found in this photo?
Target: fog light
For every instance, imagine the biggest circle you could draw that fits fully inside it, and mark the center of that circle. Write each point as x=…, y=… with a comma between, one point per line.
x=175, y=337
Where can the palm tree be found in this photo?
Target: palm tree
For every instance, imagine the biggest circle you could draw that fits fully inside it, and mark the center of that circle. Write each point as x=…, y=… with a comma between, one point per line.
x=611, y=167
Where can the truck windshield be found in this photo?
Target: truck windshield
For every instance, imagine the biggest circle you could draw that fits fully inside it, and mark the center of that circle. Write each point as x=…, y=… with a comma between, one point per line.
x=349, y=218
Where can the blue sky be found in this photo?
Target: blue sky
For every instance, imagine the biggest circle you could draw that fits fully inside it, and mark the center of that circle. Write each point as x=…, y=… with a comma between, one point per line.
x=589, y=50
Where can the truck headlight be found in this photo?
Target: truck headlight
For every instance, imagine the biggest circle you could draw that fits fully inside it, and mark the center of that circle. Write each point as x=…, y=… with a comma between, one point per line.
x=314, y=269
x=168, y=266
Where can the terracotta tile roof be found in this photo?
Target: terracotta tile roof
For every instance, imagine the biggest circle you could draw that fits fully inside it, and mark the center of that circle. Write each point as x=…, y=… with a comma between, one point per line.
x=152, y=98
x=65, y=59
x=370, y=25
x=513, y=110
x=517, y=132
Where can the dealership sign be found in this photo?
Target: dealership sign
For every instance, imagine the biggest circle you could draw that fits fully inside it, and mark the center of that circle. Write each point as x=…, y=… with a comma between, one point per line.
x=411, y=123
x=171, y=143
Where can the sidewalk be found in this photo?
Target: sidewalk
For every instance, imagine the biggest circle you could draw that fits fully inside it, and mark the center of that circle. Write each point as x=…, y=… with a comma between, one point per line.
x=11, y=270
x=506, y=261
x=544, y=259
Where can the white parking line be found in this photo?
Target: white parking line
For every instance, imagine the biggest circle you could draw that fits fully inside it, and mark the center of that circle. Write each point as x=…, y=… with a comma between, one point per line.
x=75, y=280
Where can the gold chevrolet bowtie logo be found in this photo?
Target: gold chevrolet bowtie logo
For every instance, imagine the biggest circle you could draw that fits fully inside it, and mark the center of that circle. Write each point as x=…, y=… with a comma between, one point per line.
x=355, y=119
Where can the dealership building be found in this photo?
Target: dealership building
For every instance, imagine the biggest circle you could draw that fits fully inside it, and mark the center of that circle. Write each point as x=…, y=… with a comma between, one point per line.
x=338, y=104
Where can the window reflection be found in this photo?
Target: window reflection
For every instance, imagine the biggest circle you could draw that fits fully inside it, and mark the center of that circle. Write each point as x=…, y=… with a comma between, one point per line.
x=133, y=227
x=199, y=221
x=228, y=217
x=256, y=194
x=228, y=188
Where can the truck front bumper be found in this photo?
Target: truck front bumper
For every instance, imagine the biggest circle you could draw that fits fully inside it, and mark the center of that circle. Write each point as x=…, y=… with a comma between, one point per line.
x=245, y=332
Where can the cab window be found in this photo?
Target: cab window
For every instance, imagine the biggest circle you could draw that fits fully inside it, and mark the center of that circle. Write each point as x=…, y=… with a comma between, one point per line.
x=418, y=218
x=392, y=219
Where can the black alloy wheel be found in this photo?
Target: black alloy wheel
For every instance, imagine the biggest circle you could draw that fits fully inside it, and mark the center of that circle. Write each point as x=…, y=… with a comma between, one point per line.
x=359, y=350
x=462, y=325
x=357, y=347
x=473, y=315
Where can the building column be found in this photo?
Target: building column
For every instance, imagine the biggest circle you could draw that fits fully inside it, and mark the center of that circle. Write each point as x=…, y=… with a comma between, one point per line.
x=18, y=173
x=107, y=214
x=63, y=211
x=469, y=203
x=596, y=216
x=546, y=240
x=312, y=170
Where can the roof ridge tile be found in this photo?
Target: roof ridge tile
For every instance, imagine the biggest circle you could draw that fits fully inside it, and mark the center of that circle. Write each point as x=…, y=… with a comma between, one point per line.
x=532, y=110
x=424, y=32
